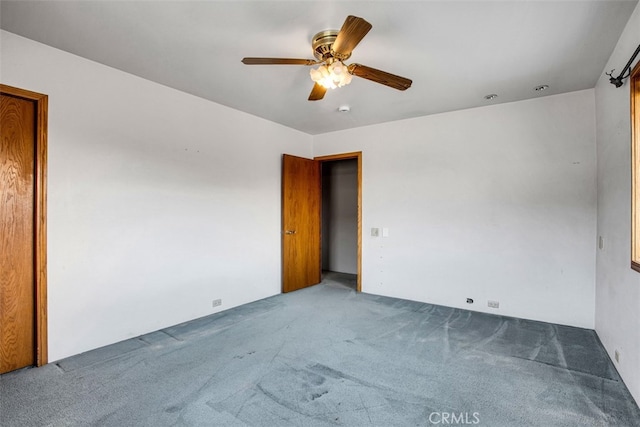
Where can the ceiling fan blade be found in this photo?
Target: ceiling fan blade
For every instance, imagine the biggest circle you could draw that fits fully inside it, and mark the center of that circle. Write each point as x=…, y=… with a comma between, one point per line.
x=317, y=93
x=353, y=30
x=381, y=77
x=278, y=61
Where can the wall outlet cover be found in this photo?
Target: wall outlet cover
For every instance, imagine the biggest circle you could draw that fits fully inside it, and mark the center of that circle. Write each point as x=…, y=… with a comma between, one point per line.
x=493, y=304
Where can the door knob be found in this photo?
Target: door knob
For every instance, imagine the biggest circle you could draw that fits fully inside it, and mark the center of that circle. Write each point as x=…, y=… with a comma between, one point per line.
x=290, y=232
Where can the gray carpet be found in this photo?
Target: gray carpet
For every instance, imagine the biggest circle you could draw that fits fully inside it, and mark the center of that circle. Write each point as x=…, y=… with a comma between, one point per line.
x=326, y=356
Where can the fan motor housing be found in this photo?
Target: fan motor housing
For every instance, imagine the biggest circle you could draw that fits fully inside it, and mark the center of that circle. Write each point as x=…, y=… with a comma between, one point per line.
x=322, y=44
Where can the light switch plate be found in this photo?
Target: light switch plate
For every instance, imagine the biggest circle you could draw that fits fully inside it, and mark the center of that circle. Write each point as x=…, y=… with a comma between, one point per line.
x=375, y=232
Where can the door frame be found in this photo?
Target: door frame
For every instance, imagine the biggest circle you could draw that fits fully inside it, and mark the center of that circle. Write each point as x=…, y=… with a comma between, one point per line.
x=40, y=217
x=346, y=156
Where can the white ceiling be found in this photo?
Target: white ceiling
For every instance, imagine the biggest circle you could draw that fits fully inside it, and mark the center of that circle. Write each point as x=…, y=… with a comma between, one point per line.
x=455, y=52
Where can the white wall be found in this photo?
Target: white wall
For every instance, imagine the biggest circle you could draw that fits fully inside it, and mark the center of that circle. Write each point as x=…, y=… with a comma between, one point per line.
x=617, y=285
x=158, y=202
x=340, y=216
x=494, y=203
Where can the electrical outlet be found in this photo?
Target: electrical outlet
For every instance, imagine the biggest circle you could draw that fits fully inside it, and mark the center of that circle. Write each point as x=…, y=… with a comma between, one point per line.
x=217, y=302
x=616, y=354
x=493, y=304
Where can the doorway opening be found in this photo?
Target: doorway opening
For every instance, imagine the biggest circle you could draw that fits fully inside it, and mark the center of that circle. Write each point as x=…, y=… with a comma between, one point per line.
x=341, y=235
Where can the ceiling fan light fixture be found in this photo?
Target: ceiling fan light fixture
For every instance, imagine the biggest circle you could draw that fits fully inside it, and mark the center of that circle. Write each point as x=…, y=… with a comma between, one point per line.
x=331, y=76
x=331, y=48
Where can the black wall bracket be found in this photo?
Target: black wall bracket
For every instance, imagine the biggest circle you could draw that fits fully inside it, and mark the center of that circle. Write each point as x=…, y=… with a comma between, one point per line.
x=619, y=81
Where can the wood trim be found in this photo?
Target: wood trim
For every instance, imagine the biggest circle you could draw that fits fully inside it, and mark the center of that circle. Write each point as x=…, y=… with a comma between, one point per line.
x=635, y=166
x=40, y=223
x=343, y=156
x=346, y=156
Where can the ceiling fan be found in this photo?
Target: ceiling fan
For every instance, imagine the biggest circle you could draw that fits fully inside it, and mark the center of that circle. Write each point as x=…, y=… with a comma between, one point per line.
x=331, y=48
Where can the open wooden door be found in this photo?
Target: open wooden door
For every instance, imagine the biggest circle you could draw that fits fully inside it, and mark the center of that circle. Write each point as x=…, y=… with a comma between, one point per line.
x=301, y=221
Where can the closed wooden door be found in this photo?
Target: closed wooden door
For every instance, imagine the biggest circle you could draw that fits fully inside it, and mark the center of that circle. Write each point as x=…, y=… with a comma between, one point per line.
x=301, y=221
x=19, y=228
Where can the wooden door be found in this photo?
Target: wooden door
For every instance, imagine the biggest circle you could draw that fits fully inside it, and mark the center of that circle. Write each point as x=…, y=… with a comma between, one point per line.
x=301, y=220
x=21, y=229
